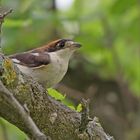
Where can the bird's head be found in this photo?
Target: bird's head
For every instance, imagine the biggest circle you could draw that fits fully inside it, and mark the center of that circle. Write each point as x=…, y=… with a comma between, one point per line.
x=62, y=44
x=61, y=47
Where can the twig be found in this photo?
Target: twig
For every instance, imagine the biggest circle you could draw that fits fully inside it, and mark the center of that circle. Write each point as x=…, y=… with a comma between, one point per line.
x=94, y=126
x=2, y=16
x=84, y=115
x=8, y=96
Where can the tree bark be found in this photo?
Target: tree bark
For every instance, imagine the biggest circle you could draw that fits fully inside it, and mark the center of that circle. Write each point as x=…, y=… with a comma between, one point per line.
x=50, y=116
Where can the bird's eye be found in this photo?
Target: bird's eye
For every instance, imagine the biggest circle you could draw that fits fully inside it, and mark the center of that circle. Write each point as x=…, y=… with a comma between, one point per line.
x=61, y=44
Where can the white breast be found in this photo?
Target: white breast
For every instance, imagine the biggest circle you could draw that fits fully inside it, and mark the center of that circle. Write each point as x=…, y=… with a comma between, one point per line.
x=55, y=71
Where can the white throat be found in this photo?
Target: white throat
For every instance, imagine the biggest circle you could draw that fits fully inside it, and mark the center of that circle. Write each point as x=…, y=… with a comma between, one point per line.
x=65, y=54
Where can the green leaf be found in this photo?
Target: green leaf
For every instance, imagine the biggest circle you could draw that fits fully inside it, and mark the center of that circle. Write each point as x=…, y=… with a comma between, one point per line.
x=71, y=107
x=79, y=108
x=57, y=95
x=13, y=133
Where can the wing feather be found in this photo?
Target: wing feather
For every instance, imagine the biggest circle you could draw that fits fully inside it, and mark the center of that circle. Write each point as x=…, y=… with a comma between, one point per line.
x=31, y=59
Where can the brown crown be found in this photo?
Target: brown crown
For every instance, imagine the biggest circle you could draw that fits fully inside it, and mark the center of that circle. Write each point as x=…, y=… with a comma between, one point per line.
x=51, y=47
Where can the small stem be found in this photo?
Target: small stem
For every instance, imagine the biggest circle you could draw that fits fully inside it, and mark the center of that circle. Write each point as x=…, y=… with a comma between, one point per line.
x=84, y=115
x=2, y=16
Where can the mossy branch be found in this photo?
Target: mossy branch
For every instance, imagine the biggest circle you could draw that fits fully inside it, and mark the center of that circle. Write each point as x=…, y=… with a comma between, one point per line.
x=36, y=103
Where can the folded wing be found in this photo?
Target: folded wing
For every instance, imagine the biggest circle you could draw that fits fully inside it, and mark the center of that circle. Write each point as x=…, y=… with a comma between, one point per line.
x=31, y=59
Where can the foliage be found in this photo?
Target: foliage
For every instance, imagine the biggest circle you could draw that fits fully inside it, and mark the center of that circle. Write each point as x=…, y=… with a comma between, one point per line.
x=9, y=130
x=79, y=108
x=58, y=96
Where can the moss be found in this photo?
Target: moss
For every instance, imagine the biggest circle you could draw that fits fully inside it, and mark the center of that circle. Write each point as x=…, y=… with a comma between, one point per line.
x=23, y=88
x=8, y=76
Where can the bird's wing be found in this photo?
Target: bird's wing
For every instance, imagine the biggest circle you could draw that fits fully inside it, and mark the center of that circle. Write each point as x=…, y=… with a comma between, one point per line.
x=31, y=59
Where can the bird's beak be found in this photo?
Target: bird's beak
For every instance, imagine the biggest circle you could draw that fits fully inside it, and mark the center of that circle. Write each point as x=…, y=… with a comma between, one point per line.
x=76, y=44
x=73, y=44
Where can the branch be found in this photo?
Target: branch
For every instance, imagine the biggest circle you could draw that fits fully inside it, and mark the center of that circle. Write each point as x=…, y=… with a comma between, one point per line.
x=2, y=16
x=84, y=115
x=27, y=120
x=51, y=117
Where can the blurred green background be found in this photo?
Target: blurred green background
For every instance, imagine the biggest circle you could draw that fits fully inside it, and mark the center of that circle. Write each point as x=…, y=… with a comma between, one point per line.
x=106, y=69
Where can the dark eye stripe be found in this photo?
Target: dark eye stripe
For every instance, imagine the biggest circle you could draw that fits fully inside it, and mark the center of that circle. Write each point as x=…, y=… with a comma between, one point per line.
x=55, y=46
x=62, y=44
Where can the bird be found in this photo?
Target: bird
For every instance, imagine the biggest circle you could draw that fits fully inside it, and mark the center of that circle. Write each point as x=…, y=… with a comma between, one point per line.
x=47, y=64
